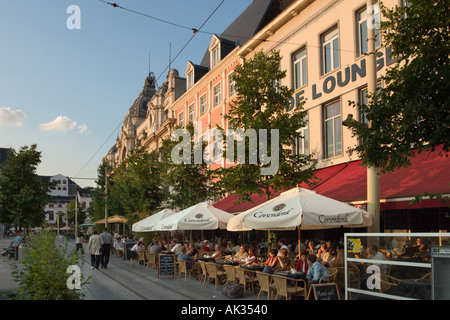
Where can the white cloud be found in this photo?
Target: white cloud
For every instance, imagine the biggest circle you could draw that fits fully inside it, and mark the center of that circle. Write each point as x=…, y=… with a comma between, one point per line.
x=9, y=117
x=83, y=128
x=61, y=123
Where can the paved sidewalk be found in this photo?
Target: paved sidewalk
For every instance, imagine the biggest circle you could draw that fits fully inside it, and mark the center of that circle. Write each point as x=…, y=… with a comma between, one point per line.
x=134, y=282
x=122, y=281
x=7, y=284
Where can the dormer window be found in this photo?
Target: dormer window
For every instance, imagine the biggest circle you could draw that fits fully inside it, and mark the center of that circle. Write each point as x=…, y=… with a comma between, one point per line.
x=215, y=57
x=190, y=80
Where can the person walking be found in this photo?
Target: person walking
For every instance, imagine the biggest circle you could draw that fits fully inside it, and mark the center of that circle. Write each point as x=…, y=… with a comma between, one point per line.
x=78, y=242
x=108, y=241
x=94, y=246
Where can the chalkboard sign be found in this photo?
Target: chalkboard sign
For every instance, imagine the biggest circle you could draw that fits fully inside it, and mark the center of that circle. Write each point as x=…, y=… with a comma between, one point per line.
x=166, y=265
x=324, y=291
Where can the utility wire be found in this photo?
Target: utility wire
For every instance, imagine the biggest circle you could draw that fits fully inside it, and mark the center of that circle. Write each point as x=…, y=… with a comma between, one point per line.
x=195, y=32
x=208, y=32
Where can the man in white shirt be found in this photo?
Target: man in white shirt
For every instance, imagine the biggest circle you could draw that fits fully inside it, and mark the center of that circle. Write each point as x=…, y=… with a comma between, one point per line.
x=374, y=254
x=176, y=246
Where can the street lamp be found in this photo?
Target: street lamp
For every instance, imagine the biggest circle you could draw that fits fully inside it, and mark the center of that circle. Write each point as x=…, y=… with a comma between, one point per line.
x=373, y=173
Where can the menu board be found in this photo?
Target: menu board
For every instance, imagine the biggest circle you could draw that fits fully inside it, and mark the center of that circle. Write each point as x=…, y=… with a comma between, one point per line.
x=166, y=265
x=324, y=291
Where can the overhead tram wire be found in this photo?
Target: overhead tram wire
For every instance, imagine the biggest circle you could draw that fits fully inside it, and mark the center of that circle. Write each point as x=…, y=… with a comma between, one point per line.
x=209, y=32
x=195, y=32
x=76, y=176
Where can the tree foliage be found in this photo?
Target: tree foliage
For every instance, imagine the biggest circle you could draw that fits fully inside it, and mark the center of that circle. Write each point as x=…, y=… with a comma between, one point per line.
x=189, y=181
x=137, y=185
x=412, y=109
x=263, y=103
x=43, y=271
x=22, y=194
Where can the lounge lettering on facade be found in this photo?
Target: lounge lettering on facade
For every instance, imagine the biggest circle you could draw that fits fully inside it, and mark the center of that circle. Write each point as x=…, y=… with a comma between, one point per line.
x=340, y=79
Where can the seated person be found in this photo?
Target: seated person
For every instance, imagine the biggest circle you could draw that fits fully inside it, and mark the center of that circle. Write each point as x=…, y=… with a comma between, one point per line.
x=205, y=246
x=138, y=246
x=217, y=253
x=302, y=264
x=316, y=270
x=374, y=254
x=156, y=247
x=192, y=249
x=176, y=245
x=280, y=262
x=118, y=245
x=251, y=258
x=324, y=255
x=241, y=255
x=184, y=256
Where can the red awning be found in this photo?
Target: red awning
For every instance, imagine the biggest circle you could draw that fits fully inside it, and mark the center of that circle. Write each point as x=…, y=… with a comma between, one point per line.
x=428, y=173
x=347, y=182
x=322, y=175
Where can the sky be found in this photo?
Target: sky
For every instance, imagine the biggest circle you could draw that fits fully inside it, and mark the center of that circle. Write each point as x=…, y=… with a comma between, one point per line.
x=68, y=75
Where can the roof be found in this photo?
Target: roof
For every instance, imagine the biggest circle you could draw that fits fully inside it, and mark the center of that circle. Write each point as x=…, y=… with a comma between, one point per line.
x=244, y=27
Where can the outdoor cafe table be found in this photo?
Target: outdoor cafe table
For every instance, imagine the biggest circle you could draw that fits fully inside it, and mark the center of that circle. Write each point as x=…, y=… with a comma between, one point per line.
x=227, y=262
x=206, y=259
x=252, y=267
x=289, y=274
x=417, y=288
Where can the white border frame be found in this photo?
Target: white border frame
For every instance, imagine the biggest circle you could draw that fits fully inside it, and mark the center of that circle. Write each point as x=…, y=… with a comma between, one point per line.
x=388, y=262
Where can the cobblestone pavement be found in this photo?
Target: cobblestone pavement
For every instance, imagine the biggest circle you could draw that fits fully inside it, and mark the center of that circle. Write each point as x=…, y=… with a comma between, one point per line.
x=122, y=281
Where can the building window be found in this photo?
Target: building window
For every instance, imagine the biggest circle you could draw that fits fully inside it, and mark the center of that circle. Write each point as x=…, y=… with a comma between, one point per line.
x=300, y=70
x=190, y=80
x=191, y=113
x=217, y=95
x=231, y=86
x=333, y=129
x=301, y=145
x=203, y=105
x=361, y=18
x=181, y=119
x=215, y=57
x=330, y=50
x=363, y=100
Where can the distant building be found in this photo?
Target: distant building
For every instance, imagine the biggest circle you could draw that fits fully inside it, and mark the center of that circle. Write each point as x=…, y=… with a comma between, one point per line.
x=62, y=194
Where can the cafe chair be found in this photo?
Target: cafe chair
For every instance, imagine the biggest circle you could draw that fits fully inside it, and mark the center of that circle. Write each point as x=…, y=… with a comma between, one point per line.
x=183, y=268
x=214, y=273
x=331, y=278
x=387, y=282
x=151, y=260
x=265, y=285
x=141, y=257
x=240, y=274
x=230, y=272
x=204, y=272
x=281, y=284
x=426, y=276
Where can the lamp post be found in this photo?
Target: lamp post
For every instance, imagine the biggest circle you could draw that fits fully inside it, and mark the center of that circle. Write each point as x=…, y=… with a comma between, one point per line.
x=373, y=173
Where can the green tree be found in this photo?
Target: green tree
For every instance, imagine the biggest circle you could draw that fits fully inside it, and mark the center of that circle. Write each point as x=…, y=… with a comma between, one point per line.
x=97, y=207
x=412, y=109
x=189, y=181
x=43, y=271
x=263, y=103
x=22, y=194
x=137, y=185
